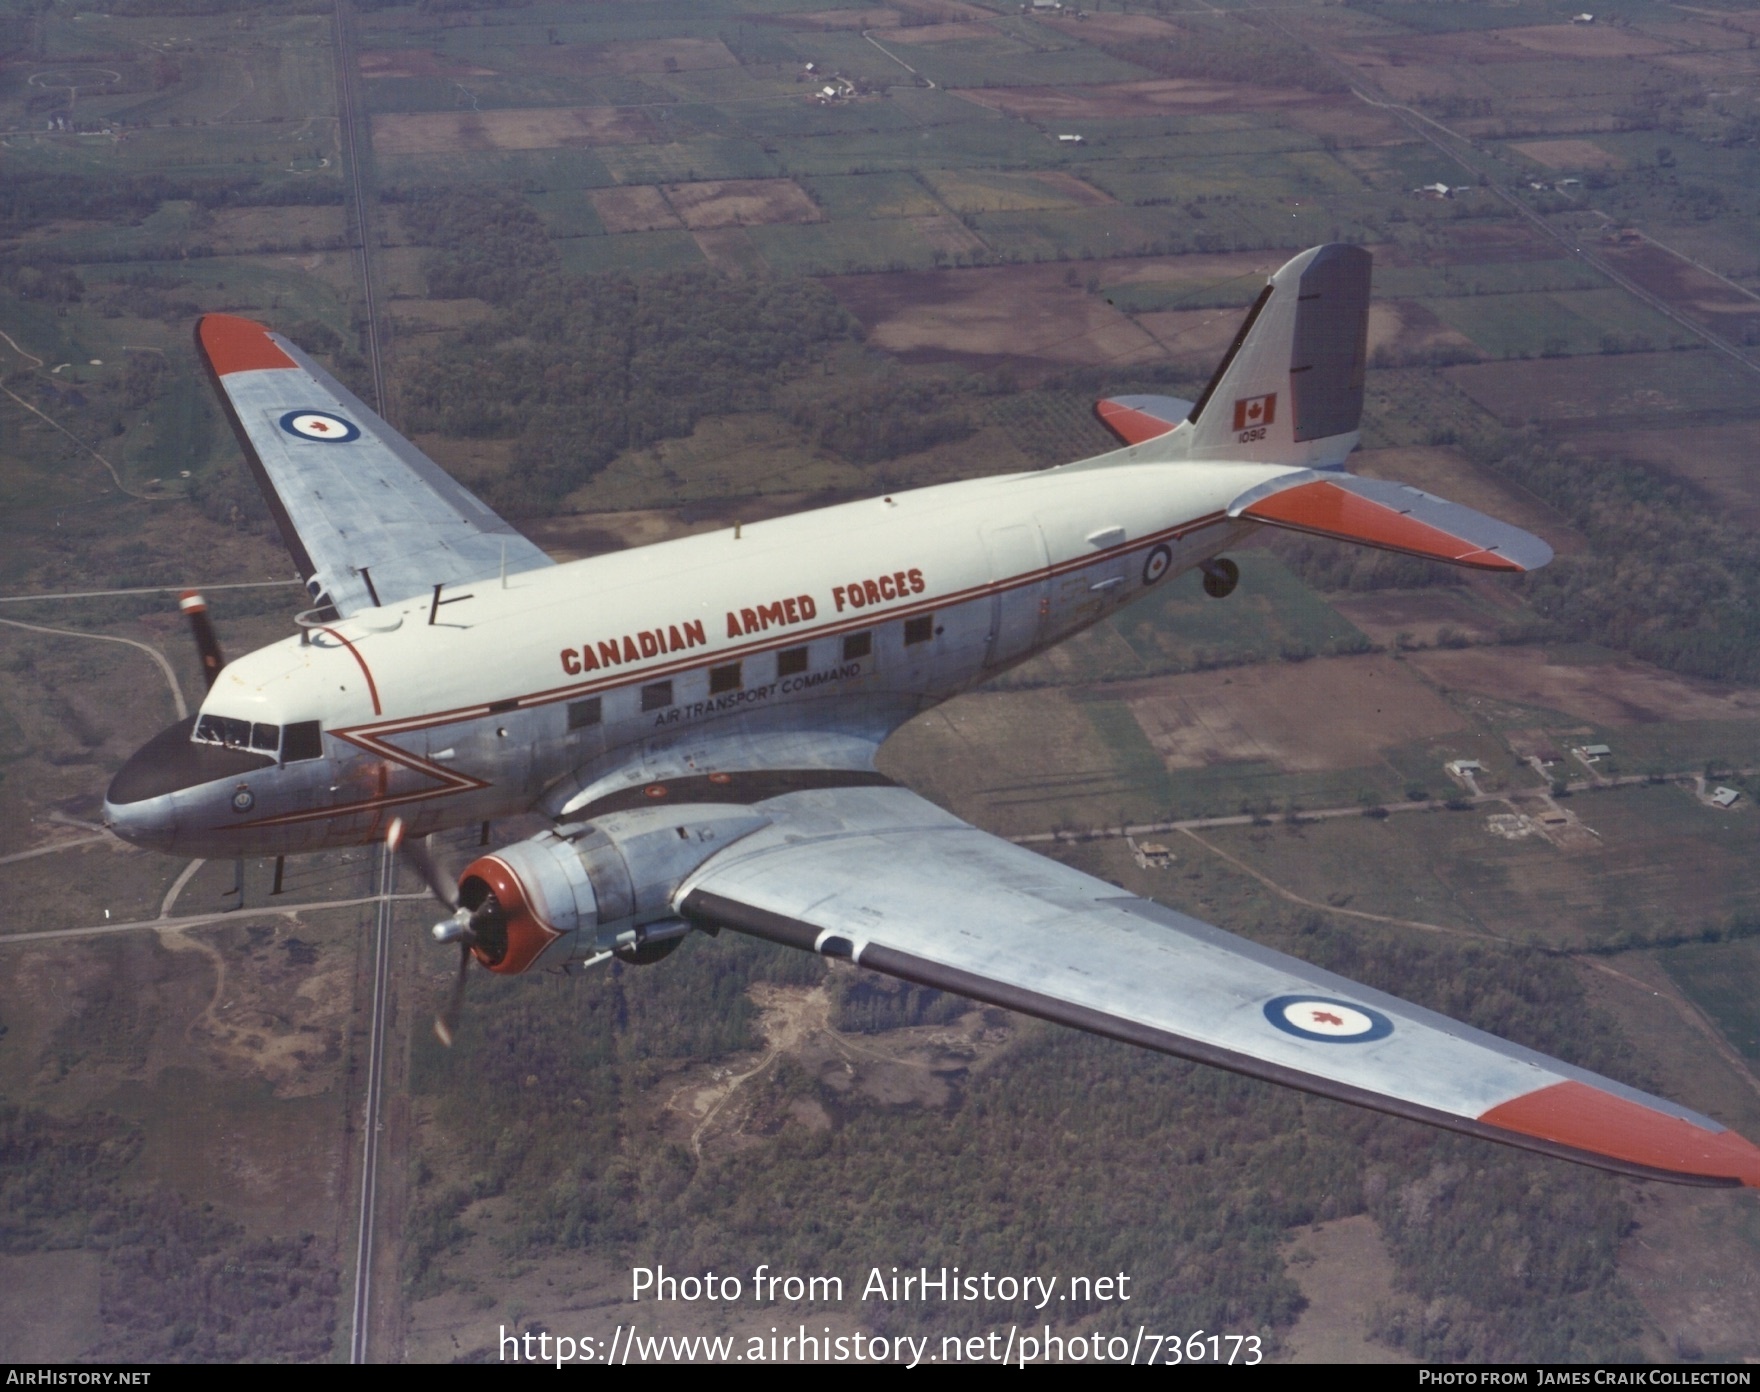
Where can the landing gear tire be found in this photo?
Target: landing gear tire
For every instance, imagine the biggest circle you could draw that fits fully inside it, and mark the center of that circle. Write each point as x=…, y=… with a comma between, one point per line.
x=1220, y=577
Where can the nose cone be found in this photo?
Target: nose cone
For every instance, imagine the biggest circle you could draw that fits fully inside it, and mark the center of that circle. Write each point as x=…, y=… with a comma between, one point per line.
x=143, y=803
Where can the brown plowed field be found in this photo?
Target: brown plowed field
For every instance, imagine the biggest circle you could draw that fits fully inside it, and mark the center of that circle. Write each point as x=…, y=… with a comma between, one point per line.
x=634, y=208
x=1587, y=389
x=1419, y=614
x=539, y=128
x=1405, y=326
x=416, y=62
x=1609, y=693
x=647, y=56
x=835, y=19
x=1114, y=28
x=940, y=33
x=1474, y=244
x=741, y=203
x=1123, y=101
x=1569, y=154
x=1002, y=312
x=1277, y=712
x=1583, y=41
x=1688, y=289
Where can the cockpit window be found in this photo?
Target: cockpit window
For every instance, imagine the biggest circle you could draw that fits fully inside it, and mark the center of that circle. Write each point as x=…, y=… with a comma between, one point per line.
x=304, y=741
x=223, y=729
x=238, y=734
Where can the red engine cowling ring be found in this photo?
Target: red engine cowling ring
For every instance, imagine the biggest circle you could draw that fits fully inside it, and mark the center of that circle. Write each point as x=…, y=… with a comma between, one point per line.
x=522, y=935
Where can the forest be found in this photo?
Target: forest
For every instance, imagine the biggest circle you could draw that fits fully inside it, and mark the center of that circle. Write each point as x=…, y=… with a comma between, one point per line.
x=1665, y=577
x=180, y=1282
x=1063, y=1148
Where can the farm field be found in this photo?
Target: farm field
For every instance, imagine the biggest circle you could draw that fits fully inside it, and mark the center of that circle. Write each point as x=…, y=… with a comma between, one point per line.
x=990, y=219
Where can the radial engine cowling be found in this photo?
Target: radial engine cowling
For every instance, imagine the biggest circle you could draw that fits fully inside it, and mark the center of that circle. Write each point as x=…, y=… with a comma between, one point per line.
x=586, y=888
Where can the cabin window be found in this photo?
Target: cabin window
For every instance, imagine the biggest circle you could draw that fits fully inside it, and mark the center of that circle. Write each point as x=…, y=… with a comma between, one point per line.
x=791, y=662
x=303, y=741
x=584, y=713
x=725, y=678
x=656, y=695
x=265, y=738
x=857, y=645
x=919, y=630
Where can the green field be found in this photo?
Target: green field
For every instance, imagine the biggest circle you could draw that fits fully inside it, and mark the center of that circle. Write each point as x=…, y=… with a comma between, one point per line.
x=1558, y=325
x=1724, y=982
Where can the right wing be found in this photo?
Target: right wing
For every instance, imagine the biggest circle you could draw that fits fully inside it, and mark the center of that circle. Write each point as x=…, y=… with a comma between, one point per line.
x=369, y=518
x=880, y=877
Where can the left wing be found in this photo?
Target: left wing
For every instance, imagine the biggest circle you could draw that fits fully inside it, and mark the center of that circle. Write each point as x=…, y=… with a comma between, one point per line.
x=881, y=877
x=369, y=518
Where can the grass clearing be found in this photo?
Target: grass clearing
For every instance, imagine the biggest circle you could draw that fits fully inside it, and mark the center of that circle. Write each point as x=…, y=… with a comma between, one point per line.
x=687, y=160
x=833, y=248
x=1723, y=980
x=631, y=251
x=965, y=756
x=1554, y=325
x=851, y=197
x=1631, y=385
x=982, y=191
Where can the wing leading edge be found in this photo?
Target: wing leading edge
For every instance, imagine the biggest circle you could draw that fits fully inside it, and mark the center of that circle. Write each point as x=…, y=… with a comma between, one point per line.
x=368, y=517
x=882, y=878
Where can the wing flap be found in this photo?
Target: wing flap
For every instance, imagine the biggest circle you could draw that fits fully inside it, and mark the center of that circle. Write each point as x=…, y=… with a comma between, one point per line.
x=1135, y=419
x=1392, y=516
x=885, y=879
x=370, y=520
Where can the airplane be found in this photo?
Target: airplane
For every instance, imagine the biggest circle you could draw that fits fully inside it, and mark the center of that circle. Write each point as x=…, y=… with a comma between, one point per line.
x=699, y=719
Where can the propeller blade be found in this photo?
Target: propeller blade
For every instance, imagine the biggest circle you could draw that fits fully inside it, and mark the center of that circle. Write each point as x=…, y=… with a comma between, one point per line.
x=417, y=856
x=446, y=1022
x=192, y=604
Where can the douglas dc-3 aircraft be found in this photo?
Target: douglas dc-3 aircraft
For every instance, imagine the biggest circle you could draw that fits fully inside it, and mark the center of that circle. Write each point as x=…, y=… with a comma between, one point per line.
x=699, y=719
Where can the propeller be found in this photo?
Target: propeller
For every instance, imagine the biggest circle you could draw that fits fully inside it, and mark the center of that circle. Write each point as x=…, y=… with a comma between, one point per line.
x=192, y=603
x=459, y=928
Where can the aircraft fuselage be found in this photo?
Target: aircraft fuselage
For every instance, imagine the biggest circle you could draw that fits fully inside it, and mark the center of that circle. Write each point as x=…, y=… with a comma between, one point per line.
x=806, y=633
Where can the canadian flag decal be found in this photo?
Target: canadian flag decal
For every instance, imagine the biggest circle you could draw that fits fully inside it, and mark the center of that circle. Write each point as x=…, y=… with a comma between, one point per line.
x=1250, y=411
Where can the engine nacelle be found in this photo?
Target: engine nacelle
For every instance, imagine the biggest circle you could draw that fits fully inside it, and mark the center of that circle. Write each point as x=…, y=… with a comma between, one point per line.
x=587, y=888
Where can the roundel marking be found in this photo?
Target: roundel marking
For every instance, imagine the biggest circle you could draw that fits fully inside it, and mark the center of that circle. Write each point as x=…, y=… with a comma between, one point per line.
x=325, y=427
x=1156, y=565
x=1327, y=1020
x=243, y=800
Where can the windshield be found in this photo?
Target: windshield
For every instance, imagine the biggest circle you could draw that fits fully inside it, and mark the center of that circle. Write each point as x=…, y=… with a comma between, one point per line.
x=238, y=734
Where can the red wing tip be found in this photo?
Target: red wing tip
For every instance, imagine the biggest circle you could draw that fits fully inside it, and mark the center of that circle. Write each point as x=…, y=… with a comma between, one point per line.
x=1586, y=1118
x=231, y=344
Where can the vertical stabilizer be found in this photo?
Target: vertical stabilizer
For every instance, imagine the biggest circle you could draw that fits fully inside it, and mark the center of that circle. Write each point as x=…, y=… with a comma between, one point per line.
x=1290, y=390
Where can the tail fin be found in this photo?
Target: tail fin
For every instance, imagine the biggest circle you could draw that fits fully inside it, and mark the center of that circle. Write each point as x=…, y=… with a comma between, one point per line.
x=1290, y=390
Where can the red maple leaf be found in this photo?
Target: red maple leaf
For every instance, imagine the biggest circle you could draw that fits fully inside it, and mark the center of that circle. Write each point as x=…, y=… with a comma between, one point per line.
x=1326, y=1017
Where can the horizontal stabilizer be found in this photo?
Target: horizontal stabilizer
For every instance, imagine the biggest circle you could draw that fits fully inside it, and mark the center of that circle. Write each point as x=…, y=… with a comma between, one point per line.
x=1135, y=419
x=1392, y=516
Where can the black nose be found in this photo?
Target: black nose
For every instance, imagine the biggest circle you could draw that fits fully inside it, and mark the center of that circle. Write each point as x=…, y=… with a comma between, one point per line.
x=171, y=762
